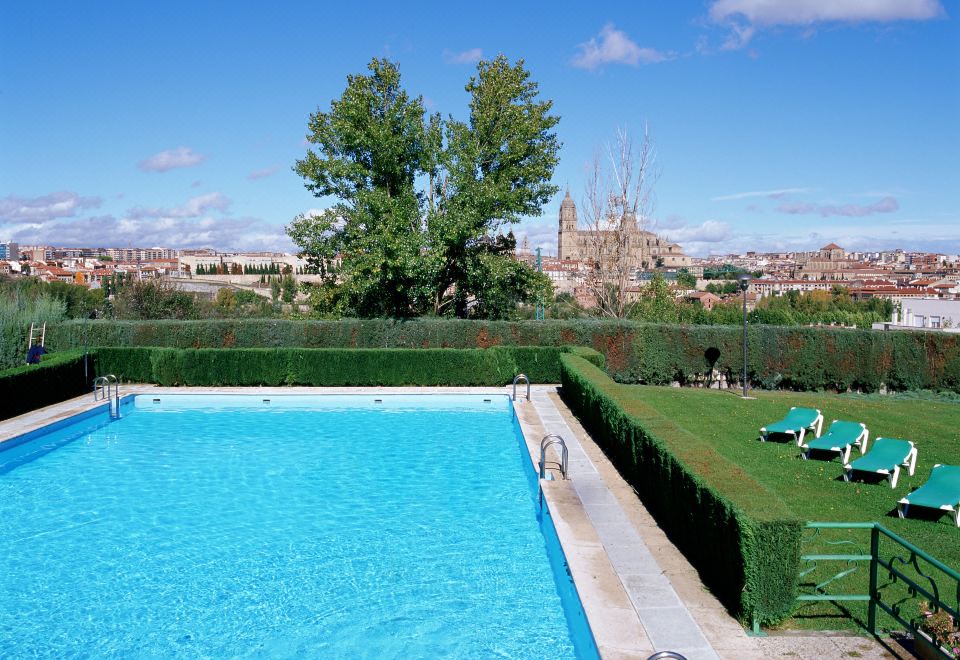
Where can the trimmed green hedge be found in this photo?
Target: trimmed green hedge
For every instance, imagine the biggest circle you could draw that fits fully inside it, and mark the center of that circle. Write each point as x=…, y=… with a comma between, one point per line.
x=335, y=367
x=58, y=377
x=796, y=358
x=738, y=534
x=65, y=375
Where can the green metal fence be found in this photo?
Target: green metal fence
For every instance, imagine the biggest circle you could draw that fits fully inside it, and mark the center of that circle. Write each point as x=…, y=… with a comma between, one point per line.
x=900, y=574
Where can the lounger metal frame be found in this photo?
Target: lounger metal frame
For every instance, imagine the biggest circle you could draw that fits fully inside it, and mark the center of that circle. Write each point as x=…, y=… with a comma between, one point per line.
x=910, y=463
x=817, y=427
x=903, y=506
x=860, y=442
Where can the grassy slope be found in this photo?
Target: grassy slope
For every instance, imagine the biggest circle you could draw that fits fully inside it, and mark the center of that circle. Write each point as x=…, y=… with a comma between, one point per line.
x=813, y=489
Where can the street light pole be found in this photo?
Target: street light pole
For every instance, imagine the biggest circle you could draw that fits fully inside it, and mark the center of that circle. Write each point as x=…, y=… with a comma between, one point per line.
x=744, y=281
x=539, y=307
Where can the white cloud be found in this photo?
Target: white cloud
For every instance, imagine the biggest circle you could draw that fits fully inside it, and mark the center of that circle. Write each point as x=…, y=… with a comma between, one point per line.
x=171, y=159
x=772, y=194
x=264, y=173
x=192, y=208
x=745, y=17
x=672, y=221
x=711, y=231
x=885, y=205
x=613, y=46
x=464, y=57
x=539, y=234
x=103, y=231
x=922, y=235
x=62, y=204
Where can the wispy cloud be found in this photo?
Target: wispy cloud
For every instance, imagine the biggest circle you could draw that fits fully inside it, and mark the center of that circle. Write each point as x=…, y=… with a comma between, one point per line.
x=923, y=235
x=745, y=17
x=711, y=231
x=772, y=194
x=63, y=204
x=224, y=233
x=885, y=205
x=463, y=57
x=192, y=208
x=264, y=173
x=171, y=159
x=613, y=46
x=539, y=234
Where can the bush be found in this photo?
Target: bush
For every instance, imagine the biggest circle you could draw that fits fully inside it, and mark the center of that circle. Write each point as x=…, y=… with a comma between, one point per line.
x=737, y=533
x=798, y=358
x=335, y=367
x=58, y=377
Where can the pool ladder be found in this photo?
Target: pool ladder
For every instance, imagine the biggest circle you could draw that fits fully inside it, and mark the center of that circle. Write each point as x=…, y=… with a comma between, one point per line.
x=107, y=388
x=552, y=440
x=516, y=380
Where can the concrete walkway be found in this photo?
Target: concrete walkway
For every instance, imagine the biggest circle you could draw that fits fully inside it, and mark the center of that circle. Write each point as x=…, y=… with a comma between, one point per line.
x=666, y=619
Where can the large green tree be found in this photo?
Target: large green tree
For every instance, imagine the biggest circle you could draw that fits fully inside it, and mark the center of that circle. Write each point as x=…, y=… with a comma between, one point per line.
x=371, y=147
x=422, y=202
x=496, y=169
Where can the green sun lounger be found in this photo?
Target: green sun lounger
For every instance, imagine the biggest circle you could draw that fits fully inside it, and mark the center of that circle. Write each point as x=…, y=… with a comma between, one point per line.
x=840, y=438
x=942, y=491
x=797, y=422
x=887, y=457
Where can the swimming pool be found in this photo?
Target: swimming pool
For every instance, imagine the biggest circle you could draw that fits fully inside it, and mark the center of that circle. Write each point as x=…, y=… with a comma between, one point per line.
x=226, y=525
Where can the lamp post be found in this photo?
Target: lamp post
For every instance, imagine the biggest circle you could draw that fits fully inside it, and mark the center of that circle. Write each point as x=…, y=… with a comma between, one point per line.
x=744, y=281
x=539, y=308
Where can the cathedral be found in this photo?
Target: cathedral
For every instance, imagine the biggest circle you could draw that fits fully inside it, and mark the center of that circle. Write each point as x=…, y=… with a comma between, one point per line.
x=646, y=249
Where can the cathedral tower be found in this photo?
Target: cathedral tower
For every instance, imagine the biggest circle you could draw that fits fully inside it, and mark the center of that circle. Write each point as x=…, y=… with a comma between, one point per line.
x=567, y=236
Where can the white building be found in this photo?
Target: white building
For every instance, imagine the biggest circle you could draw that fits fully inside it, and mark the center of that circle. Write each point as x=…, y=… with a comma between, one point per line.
x=924, y=313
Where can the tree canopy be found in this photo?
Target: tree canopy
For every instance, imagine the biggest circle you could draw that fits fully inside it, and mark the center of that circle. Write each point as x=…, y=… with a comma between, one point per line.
x=422, y=201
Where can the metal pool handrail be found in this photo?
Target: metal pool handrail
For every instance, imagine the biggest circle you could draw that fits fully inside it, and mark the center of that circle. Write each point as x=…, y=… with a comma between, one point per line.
x=108, y=388
x=549, y=441
x=516, y=380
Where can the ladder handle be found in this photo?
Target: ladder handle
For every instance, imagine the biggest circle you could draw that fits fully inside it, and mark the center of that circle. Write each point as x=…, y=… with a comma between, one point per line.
x=547, y=442
x=516, y=380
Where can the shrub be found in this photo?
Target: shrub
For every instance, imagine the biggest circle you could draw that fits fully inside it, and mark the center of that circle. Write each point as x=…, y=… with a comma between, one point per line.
x=798, y=358
x=738, y=534
x=58, y=377
x=335, y=367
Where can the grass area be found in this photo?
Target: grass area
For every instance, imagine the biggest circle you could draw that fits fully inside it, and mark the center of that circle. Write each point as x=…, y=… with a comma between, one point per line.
x=814, y=489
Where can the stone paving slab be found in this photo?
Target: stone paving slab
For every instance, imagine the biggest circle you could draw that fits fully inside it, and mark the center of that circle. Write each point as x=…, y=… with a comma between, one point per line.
x=815, y=647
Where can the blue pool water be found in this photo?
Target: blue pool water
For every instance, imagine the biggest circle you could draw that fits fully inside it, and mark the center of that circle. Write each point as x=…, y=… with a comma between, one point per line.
x=212, y=526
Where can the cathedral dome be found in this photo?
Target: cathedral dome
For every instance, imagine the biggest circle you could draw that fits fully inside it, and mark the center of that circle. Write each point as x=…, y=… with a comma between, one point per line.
x=567, y=201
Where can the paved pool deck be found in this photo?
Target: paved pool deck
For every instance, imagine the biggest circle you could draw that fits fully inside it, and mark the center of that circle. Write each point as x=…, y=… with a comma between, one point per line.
x=638, y=591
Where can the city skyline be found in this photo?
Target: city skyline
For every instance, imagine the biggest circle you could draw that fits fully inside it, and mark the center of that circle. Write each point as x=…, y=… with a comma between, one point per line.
x=776, y=128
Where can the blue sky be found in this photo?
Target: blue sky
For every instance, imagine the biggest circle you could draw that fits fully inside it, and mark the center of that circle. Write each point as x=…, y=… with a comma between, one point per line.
x=779, y=124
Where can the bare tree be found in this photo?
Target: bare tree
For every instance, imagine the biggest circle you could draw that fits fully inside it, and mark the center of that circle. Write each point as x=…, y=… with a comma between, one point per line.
x=619, y=199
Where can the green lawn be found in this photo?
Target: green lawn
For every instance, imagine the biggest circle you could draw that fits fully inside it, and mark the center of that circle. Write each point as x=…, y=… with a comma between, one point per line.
x=813, y=489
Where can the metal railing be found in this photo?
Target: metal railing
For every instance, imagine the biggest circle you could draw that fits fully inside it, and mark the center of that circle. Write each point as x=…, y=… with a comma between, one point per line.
x=518, y=378
x=909, y=574
x=547, y=442
x=107, y=388
x=551, y=440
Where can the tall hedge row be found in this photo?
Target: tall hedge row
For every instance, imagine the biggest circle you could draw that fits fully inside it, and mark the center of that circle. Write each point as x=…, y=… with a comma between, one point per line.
x=741, y=538
x=332, y=367
x=779, y=357
x=57, y=378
